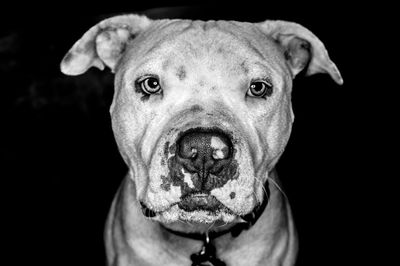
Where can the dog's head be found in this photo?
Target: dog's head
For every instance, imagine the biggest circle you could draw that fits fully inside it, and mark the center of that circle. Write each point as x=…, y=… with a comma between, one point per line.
x=202, y=110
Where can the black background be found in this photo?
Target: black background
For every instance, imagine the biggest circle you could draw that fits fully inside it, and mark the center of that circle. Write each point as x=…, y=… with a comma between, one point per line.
x=62, y=168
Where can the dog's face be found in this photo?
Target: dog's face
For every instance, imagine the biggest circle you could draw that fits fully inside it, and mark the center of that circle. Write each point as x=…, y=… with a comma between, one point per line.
x=202, y=110
x=206, y=113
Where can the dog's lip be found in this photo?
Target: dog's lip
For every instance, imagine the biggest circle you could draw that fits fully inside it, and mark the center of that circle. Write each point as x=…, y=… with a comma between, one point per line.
x=200, y=201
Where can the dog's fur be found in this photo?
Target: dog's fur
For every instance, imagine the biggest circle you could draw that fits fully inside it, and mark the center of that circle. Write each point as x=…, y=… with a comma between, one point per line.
x=205, y=70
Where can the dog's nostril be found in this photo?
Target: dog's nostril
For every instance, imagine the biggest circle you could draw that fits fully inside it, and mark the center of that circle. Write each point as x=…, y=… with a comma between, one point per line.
x=187, y=150
x=205, y=146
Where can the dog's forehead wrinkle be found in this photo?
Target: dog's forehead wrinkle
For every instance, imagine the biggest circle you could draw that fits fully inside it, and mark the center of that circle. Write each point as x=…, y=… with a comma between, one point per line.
x=160, y=32
x=219, y=36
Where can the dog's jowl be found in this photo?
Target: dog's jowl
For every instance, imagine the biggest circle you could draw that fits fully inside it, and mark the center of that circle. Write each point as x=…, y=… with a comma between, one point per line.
x=201, y=114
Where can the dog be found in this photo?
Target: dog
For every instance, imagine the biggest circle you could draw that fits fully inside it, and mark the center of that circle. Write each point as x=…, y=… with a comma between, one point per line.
x=201, y=114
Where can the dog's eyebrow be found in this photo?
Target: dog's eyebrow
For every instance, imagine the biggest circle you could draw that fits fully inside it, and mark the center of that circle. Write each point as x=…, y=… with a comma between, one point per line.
x=258, y=69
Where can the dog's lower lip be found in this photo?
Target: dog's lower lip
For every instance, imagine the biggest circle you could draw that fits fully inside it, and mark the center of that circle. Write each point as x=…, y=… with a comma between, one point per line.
x=200, y=201
x=199, y=195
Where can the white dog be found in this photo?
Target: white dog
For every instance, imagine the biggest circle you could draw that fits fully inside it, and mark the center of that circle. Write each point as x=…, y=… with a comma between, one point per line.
x=201, y=114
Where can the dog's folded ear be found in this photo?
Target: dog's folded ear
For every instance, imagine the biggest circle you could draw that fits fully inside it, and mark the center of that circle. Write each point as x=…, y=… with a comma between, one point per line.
x=103, y=44
x=301, y=48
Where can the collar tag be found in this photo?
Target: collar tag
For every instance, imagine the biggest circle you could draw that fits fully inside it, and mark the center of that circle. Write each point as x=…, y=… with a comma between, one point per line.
x=207, y=255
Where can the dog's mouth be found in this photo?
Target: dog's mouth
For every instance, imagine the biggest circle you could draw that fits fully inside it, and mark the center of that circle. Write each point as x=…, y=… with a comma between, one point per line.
x=201, y=175
x=200, y=202
x=195, y=207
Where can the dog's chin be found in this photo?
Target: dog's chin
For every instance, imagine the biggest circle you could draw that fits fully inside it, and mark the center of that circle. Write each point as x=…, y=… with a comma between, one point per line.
x=200, y=221
x=198, y=209
x=195, y=215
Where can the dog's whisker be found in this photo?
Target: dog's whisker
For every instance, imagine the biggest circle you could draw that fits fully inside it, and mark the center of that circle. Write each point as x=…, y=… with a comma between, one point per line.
x=211, y=226
x=224, y=224
x=278, y=187
x=185, y=222
x=262, y=187
x=256, y=196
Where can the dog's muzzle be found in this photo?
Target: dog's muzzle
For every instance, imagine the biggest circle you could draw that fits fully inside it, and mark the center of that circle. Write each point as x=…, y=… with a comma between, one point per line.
x=206, y=156
x=200, y=174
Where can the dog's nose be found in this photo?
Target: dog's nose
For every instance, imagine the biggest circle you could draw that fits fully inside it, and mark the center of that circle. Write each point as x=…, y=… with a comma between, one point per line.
x=204, y=148
x=205, y=153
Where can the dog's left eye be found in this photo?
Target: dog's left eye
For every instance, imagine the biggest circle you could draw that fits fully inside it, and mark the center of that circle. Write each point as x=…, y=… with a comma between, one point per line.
x=150, y=85
x=260, y=88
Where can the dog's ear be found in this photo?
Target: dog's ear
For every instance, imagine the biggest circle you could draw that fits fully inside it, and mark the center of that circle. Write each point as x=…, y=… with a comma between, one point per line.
x=301, y=48
x=103, y=44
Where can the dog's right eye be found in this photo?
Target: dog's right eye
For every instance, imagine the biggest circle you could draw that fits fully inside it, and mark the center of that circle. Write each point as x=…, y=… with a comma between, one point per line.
x=150, y=85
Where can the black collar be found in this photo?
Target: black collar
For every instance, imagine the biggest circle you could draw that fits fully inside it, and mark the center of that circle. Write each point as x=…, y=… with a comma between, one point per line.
x=208, y=253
